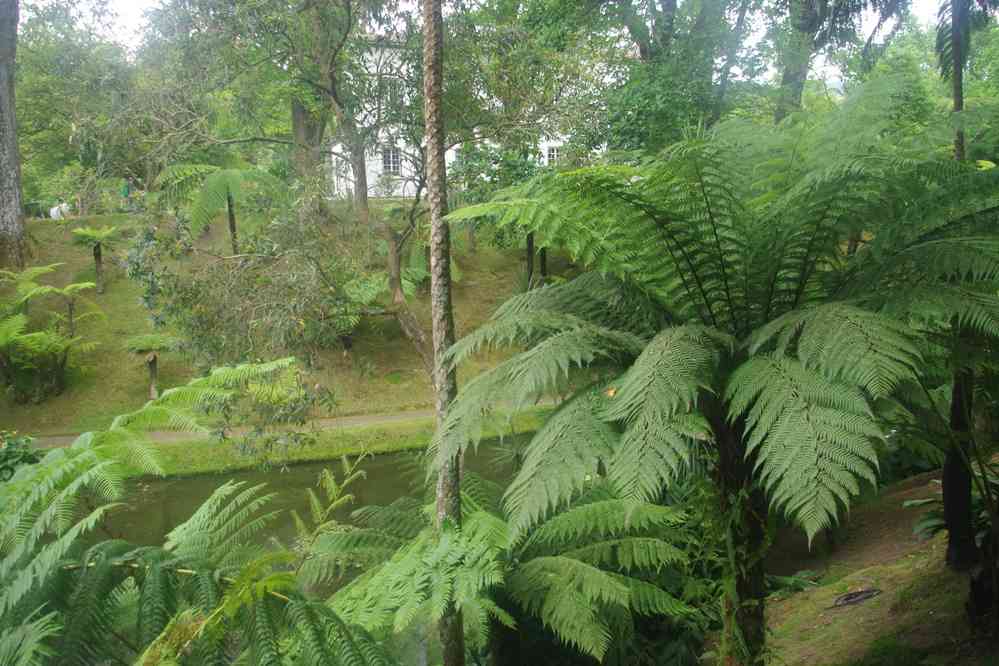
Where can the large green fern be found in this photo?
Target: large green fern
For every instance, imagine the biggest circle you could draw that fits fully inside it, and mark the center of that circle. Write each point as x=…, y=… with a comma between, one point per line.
x=785, y=310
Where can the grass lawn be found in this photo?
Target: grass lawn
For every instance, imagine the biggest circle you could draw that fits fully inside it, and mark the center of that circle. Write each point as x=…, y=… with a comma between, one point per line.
x=381, y=374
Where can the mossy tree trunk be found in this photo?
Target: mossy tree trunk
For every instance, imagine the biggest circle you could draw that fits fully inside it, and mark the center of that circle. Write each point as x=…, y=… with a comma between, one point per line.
x=796, y=58
x=448, y=504
x=11, y=213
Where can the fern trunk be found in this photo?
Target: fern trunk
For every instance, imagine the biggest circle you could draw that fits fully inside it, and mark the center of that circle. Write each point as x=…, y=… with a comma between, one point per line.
x=152, y=365
x=230, y=207
x=961, y=549
x=962, y=553
x=958, y=28
x=99, y=268
x=445, y=381
x=529, y=259
x=744, y=507
x=11, y=214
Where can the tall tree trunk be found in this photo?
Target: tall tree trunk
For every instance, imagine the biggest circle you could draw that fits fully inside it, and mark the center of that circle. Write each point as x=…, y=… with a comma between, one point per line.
x=529, y=259
x=308, y=131
x=445, y=382
x=359, y=167
x=744, y=508
x=394, y=260
x=958, y=29
x=99, y=268
x=961, y=549
x=797, y=58
x=11, y=213
x=731, y=51
x=230, y=207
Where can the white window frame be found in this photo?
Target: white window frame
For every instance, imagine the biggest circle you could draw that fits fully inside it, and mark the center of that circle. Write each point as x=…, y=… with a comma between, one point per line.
x=391, y=160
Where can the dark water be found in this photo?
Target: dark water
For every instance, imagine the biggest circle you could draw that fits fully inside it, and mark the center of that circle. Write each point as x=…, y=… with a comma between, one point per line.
x=153, y=507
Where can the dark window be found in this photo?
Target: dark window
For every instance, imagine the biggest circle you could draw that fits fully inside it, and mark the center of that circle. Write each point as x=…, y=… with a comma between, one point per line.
x=552, y=155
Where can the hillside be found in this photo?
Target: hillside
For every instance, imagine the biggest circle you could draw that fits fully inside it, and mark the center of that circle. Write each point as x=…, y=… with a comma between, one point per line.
x=918, y=617
x=382, y=373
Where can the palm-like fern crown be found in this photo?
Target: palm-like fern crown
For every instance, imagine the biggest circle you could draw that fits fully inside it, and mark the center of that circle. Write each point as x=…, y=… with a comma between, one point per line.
x=767, y=307
x=89, y=236
x=208, y=188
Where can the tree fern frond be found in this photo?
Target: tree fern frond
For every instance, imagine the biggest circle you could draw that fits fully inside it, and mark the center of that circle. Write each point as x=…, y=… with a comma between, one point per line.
x=566, y=595
x=27, y=643
x=524, y=379
x=844, y=342
x=598, y=520
x=221, y=530
x=812, y=437
x=563, y=457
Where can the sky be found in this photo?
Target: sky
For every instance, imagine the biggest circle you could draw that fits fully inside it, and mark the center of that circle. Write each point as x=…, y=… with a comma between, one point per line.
x=130, y=20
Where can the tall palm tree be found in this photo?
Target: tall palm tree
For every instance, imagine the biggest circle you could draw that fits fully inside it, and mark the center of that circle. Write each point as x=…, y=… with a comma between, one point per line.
x=733, y=320
x=444, y=377
x=11, y=219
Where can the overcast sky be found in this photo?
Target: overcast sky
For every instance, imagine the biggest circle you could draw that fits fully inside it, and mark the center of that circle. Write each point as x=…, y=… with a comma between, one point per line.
x=130, y=20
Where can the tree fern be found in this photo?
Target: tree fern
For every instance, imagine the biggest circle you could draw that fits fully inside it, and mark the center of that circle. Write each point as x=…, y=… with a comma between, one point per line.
x=793, y=275
x=26, y=643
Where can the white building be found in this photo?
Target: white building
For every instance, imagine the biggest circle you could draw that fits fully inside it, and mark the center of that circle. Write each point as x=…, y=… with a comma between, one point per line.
x=393, y=167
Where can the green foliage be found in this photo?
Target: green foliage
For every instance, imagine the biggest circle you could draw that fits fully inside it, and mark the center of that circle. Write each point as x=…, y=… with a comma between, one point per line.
x=15, y=451
x=756, y=287
x=32, y=364
x=151, y=342
x=209, y=189
x=91, y=237
x=297, y=291
x=585, y=573
x=211, y=587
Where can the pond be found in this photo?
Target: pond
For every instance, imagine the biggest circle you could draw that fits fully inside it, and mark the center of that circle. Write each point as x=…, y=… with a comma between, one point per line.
x=153, y=507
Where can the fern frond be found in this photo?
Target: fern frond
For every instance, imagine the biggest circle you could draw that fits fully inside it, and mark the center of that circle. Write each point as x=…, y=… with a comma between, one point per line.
x=27, y=643
x=600, y=519
x=566, y=595
x=845, y=342
x=524, y=379
x=221, y=531
x=563, y=457
x=812, y=437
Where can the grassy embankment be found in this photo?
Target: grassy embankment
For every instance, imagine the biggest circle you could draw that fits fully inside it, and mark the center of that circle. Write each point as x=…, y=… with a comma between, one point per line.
x=381, y=374
x=918, y=619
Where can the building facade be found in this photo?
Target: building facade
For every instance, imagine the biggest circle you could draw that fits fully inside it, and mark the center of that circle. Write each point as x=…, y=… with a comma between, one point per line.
x=393, y=167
